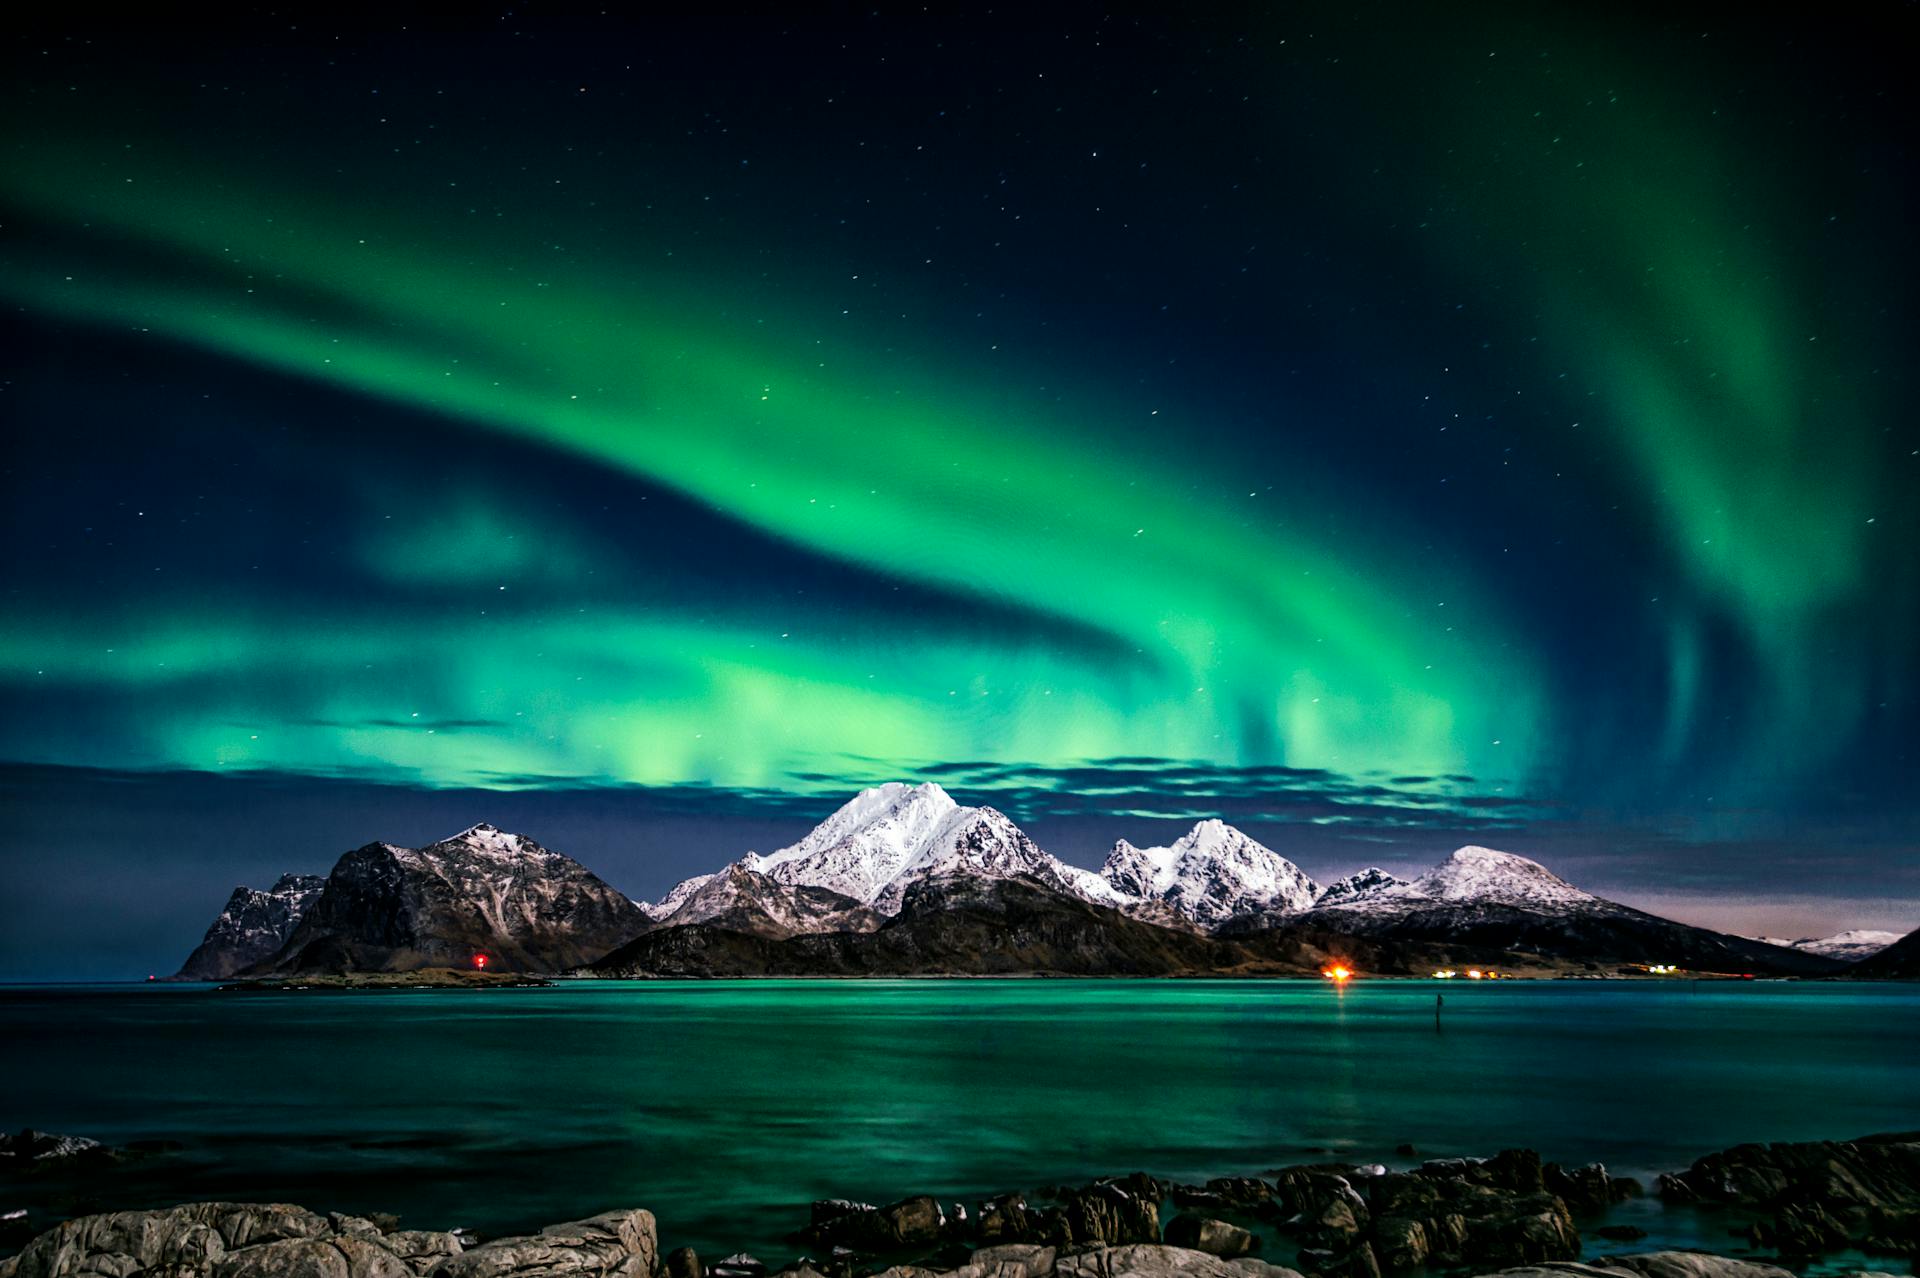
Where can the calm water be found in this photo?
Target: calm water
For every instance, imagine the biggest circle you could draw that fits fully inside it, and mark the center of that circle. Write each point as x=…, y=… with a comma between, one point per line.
x=726, y=1106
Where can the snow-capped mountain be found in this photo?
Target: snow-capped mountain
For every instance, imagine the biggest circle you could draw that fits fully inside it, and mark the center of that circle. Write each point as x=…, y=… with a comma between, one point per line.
x=743, y=900
x=1480, y=901
x=886, y=838
x=1358, y=884
x=1210, y=874
x=483, y=891
x=253, y=926
x=1475, y=876
x=1851, y=946
x=1900, y=961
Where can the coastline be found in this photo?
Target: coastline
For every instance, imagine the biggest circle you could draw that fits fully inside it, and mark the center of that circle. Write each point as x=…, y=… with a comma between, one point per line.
x=1792, y=1207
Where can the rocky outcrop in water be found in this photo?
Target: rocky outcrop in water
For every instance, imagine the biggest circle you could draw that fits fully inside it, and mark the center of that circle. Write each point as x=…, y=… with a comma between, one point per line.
x=29, y=1146
x=276, y=1240
x=1811, y=1197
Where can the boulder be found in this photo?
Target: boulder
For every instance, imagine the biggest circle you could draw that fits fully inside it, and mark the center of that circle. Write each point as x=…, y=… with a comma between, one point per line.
x=1007, y=1219
x=1215, y=1237
x=1529, y=1229
x=615, y=1244
x=913, y=1221
x=1585, y=1190
x=910, y=1222
x=277, y=1240
x=1658, y=1264
x=1400, y=1242
x=825, y=1209
x=1154, y=1260
x=1815, y=1196
x=684, y=1262
x=1321, y=1208
x=1105, y=1215
x=1456, y=1216
x=1240, y=1191
x=1352, y=1262
x=1009, y=1260
x=422, y=1249
x=192, y=1239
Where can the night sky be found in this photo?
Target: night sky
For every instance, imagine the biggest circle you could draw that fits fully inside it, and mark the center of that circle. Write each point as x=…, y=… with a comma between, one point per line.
x=1385, y=428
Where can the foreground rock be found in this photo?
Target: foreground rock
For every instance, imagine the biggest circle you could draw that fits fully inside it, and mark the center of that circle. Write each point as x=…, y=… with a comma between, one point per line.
x=1156, y=1260
x=1816, y=1196
x=259, y=1240
x=1654, y=1264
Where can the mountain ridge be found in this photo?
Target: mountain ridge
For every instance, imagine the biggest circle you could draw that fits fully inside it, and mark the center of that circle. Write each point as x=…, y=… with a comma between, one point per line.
x=1215, y=900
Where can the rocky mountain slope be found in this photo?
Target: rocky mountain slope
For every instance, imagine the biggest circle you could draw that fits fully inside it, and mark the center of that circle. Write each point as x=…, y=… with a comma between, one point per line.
x=1487, y=901
x=904, y=880
x=253, y=926
x=1209, y=875
x=962, y=923
x=1898, y=962
x=1360, y=883
x=481, y=892
x=743, y=900
x=1848, y=947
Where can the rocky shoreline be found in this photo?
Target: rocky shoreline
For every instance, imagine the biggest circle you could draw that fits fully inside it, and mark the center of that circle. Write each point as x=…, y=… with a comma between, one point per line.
x=1510, y=1214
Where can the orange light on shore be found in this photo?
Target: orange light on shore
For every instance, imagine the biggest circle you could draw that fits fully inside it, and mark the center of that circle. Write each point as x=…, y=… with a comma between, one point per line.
x=480, y=961
x=1338, y=973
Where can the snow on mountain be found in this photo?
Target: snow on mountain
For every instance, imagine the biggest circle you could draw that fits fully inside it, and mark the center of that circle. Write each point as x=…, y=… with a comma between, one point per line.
x=893, y=835
x=1478, y=876
x=252, y=927
x=744, y=900
x=482, y=891
x=1360, y=883
x=1484, y=875
x=676, y=897
x=1851, y=946
x=1209, y=875
x=869, y=842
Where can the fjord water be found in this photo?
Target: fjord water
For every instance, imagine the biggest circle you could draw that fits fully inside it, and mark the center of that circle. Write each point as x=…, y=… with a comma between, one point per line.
x=726, y=1106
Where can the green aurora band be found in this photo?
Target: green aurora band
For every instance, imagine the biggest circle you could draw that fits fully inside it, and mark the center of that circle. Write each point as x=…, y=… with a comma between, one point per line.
x=1192, y=621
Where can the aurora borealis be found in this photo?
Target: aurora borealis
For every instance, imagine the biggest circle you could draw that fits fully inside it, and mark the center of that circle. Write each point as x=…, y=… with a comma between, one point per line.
x=1368, y=425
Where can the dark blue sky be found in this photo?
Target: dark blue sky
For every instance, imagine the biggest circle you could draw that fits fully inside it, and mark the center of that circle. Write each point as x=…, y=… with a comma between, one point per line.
x=1381, y=429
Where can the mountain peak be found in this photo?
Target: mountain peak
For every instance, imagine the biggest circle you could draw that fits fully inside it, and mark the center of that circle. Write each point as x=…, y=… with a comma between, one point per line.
x=489, y=839
x=1852, y=945
x=1475, y=873
x=1209, y=874
x=1358, y=885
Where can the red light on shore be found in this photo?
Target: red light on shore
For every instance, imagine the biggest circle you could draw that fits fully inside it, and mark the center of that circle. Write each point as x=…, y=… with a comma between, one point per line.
x=480, y=961
x=1338, y=973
